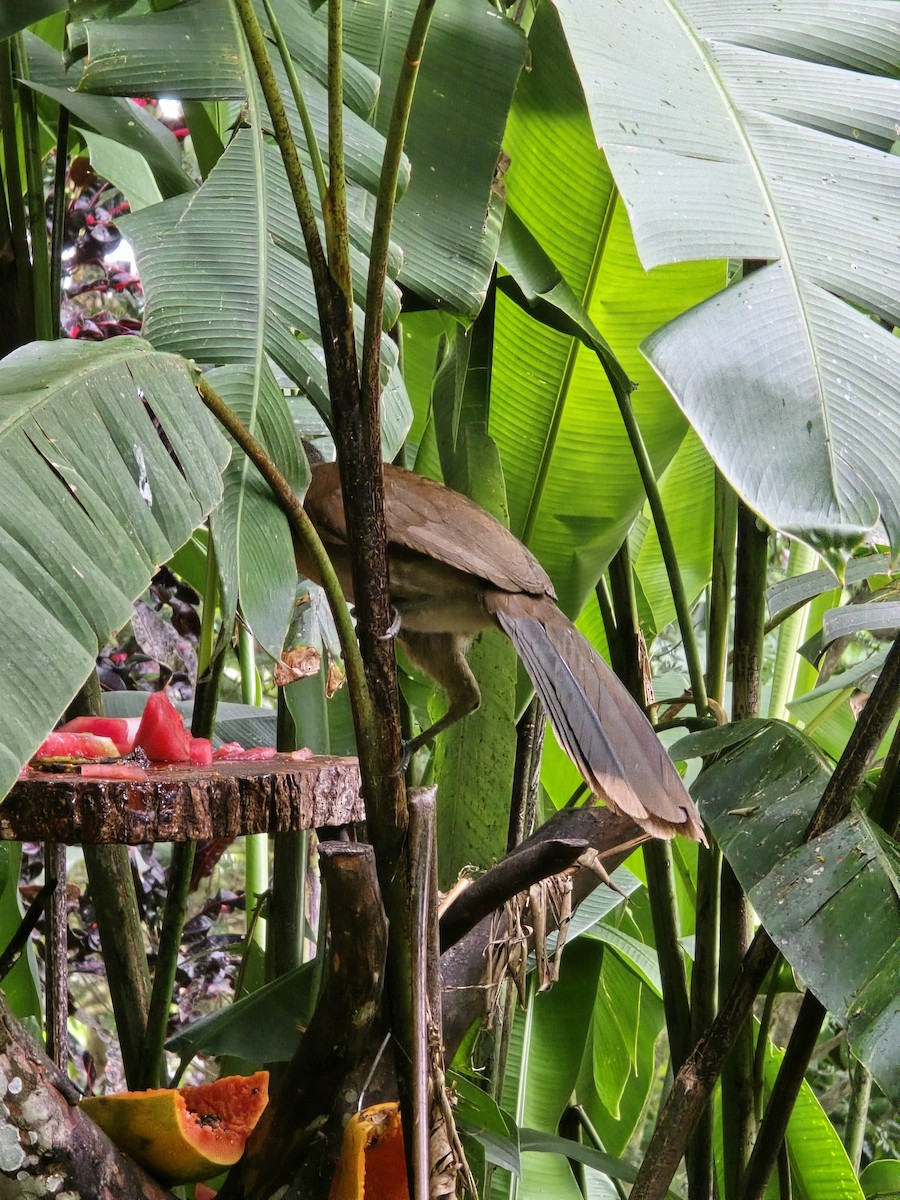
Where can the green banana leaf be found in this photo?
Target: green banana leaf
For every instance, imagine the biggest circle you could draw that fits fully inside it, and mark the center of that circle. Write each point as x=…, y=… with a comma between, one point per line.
x=91, y=501
x=572, y=484
x=832, y=905
x=732, y=133
x=819, y=1163
x=449, y=220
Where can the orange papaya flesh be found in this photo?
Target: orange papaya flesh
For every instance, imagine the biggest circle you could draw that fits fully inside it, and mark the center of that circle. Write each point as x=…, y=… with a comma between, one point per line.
x=372, y=1165
x=186, y=1134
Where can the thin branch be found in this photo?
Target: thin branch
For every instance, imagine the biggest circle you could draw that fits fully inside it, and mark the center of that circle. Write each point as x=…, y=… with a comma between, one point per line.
x=303, y=530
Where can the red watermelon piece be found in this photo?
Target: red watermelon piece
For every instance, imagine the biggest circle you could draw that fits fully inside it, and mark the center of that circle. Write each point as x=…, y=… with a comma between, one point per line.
x=161, y=733
x=121, y=730
x=76, y=745
x=119, y=770
x=201, y=752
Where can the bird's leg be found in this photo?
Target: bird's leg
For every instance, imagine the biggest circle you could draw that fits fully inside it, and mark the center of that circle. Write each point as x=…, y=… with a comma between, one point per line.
x=442, y=657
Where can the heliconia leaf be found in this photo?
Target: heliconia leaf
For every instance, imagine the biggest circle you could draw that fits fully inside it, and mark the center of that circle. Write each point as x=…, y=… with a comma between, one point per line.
x=91, y=501
x=765, y=135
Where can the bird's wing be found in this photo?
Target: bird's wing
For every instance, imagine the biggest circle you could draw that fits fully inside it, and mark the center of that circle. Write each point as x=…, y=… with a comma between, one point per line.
x=429, y=519
x=599, y=725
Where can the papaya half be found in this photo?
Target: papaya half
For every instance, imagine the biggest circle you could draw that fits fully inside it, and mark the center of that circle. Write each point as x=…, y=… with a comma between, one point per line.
x=184, y=1134
x=372, y=1165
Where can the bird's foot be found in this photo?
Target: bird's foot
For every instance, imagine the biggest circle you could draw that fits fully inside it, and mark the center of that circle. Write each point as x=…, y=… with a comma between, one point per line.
x=591, y=859
x=392, y=630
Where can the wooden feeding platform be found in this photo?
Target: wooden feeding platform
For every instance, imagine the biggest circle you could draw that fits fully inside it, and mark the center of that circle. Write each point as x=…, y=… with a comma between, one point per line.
x=177, y=804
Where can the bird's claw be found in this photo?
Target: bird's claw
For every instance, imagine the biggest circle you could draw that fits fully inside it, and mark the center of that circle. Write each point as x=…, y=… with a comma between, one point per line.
x=393, y=629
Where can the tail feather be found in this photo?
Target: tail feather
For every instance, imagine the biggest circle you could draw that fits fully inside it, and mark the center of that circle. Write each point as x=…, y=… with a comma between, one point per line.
x=595, y=718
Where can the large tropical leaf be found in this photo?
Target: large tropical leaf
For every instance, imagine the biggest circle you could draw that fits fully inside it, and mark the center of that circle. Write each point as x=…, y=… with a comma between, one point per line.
x=118, y=119
x=449, y=220
x=108, y=461
x=819, y=1162
x=247, y=299
x=832, y=905
x=763, y=133
x=572, y=483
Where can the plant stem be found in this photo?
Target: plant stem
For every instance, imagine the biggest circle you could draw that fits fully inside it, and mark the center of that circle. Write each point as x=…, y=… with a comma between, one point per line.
x=783, y=1097
x=694, y=1082
x=335, y=206
x=256, y=43
x=312, y=145
x=721, y=584
x=657, y=855
x=666, y=546
x=206, y=641
x=178, y=882
x=705, y=973
x=118, y=922
x=18, y=219
x=790, y=636
x=384, y=210
x=56, y=963
x=858, y=1113
x=885, y=807
x=738, y=1107
x=58, y=221
x=704, y=996
x=34, y=175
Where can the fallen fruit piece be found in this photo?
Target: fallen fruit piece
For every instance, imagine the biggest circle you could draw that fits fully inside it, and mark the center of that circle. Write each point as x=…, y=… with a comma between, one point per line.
x=76, y=745
x=227, y=751
x=161, y=733
x=182, y=1135
x=235, y=752
x=372, y=1165
x=201, y=752
x=121, y=730
x=118, y=770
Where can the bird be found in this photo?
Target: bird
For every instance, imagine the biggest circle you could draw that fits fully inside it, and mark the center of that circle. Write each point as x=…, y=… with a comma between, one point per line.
x=454, y=571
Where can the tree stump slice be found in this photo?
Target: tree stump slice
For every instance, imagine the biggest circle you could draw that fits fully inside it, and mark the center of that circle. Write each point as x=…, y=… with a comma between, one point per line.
x=178, y=804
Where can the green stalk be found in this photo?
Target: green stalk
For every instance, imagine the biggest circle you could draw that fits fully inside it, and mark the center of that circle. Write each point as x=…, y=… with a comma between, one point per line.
x=312, y=145
x=722, y=582
x=34, y=176
x=666, y=546
x=58, y=220
x=256, y=43
x=738, y=1107
x=784, y=1094
x=18, y=218
x=384, y=210
x=119, y=923
x=790, y=637
x=705, y=973
x=657, y=854
x=206, y=641
x=337, y=234
x=857, y=1113
x=256, y=845
x=178, y=882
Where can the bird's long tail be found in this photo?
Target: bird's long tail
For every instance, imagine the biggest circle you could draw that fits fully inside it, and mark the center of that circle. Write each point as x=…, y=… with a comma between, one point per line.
x=597, y=722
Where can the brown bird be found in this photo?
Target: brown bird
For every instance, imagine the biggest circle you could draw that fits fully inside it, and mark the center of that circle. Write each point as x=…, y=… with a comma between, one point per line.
x=454, y=571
